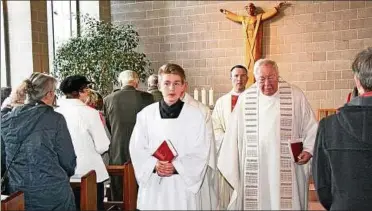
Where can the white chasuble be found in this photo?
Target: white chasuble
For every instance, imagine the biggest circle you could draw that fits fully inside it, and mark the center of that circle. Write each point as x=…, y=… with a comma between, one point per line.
x=255, y=156
x=188, y=135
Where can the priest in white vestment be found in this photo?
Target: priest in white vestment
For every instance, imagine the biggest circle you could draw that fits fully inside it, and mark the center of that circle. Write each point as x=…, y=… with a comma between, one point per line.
x=256, y=156
x=171, y=185
x=221, y=112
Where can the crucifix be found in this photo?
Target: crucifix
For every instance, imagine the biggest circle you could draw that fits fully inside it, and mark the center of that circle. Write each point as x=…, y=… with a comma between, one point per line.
x=253, y=33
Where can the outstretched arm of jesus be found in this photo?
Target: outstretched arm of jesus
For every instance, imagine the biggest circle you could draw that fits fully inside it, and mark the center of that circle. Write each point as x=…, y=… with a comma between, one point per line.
x=232, y=16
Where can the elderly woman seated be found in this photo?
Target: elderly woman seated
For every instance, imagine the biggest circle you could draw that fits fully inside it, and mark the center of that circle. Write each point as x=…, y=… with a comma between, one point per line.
x=37, y=150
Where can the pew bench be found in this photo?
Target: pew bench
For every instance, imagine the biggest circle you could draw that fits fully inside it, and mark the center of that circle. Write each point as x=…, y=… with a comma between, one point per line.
x=88, y=190
x=125, y=171
x=13, y=202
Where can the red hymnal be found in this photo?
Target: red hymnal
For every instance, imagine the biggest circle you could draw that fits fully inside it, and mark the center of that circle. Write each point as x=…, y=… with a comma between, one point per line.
x=296, y=149
x=165, y=152
x=234, y=99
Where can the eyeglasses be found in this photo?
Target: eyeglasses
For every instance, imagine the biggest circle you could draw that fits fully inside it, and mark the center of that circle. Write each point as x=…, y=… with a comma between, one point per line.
x=270, y=79
x=175, y=84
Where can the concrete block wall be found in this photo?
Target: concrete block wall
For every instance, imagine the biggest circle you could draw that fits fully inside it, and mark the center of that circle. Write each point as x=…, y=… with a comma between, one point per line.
x=313, y=42
x=39, y=27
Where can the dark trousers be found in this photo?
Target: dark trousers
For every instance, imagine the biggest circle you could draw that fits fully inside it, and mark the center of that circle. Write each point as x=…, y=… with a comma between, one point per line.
x=100, y=196
x=116, y=187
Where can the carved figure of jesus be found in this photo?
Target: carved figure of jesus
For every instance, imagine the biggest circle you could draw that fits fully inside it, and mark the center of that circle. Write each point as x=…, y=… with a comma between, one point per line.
x=253, y=33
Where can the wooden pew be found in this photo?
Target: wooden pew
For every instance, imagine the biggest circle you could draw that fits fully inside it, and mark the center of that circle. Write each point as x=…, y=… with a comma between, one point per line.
x=13, y=202
x=126, y=171
x=324, y=112
x=88, y=190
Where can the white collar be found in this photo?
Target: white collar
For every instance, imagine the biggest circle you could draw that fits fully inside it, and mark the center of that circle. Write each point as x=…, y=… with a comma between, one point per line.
x=232, y=92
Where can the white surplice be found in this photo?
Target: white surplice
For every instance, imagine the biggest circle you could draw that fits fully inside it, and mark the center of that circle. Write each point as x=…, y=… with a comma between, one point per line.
x=209, y=188
x=188, y=135
x=220, y=118
x=255, y=155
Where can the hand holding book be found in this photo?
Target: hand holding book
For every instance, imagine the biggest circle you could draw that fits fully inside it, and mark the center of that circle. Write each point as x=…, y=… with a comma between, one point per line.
x=165, y=154
x=299, y=155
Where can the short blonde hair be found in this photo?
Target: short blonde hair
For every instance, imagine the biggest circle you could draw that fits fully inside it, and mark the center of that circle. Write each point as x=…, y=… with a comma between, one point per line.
x=128, y=76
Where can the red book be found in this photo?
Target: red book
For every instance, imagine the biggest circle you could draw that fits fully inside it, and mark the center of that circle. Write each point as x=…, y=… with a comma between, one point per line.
x=234, y=99
x=296, y=149
x=165, y=152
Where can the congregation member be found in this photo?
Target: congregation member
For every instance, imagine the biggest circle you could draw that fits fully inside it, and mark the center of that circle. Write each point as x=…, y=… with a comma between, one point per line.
x=220, y=116
x=17, y=97
x=37, y=149
x=152, y=87
x=120, y=110
x=95, y=100
x=343, y=148
x=5, y=93
x=209, y=188
x=256, y=156
x=353, y=94
x=87, y=132
x=174, y=184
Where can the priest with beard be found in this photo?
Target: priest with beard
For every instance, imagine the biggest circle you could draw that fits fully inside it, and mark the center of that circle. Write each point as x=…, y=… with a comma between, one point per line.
x=173, y=185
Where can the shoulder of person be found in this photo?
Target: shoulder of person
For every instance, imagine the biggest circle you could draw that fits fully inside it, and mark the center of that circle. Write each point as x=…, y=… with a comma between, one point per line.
x=57, y=116
x=144, y=94
x=194, y=111
x=150, y=108
x=222, y=98
x=296, y=89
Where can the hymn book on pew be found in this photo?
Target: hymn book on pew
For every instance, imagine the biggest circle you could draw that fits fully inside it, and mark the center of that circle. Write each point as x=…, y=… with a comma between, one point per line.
x=165, y=152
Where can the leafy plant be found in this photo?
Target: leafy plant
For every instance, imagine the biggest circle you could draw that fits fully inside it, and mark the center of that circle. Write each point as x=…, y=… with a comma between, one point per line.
x=101, y=52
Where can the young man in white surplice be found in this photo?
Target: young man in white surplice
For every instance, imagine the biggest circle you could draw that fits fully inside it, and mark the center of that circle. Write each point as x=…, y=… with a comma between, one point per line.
x=171, y=185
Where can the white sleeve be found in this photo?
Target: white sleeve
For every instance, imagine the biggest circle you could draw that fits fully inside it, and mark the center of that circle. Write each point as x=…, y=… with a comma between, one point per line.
x=228, y=160
x=219, y=132
x=141, y=155
x=309, y=125
x=193, y=164
x=98, y=133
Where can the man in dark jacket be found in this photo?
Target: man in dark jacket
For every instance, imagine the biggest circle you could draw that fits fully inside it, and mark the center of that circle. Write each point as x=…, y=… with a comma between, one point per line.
x=152, y=87
x=121, y=108
x=342, y=162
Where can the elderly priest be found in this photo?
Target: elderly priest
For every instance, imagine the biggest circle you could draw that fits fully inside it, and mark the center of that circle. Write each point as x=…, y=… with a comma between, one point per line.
x=268, y=144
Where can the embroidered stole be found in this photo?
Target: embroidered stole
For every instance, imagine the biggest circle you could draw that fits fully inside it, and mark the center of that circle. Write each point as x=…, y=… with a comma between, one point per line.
x=251, y=160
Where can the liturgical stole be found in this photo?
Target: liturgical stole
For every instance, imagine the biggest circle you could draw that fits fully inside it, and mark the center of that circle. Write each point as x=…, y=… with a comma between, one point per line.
x=251, y=160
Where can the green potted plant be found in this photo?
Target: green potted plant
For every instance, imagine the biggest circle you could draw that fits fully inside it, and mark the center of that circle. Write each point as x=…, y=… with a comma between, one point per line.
x=100, y=53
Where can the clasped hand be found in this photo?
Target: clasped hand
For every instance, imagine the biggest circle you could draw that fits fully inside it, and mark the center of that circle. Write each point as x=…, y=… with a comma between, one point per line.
x=164, y=168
